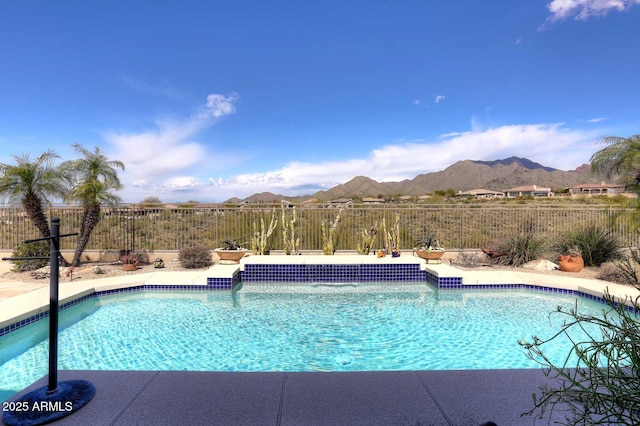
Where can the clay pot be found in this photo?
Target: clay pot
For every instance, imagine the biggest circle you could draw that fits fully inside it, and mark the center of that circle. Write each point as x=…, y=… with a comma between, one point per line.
x=571, y=263
x=429, y=255
x=231, y=255
x=130, y=267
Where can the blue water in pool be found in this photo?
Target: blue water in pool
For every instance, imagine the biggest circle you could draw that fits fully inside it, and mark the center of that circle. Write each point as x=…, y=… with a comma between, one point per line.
x=269, y=327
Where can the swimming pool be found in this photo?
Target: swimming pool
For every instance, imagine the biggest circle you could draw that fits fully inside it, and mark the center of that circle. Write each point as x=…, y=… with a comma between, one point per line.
x=284, y=327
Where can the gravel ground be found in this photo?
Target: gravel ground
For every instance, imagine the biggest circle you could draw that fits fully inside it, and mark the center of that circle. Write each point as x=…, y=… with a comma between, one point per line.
x=479, y=262
x=589, y=272
x=90, y=271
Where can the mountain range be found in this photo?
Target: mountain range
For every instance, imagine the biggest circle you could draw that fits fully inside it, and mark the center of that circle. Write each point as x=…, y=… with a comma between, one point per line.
x=497, y=175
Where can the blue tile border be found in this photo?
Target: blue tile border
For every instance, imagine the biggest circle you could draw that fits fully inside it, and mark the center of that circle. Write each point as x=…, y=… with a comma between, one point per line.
x=22, y=323
x=314, y=273
x=455, y=283
x=213, y=284
x=224, y=283
x=332, y=273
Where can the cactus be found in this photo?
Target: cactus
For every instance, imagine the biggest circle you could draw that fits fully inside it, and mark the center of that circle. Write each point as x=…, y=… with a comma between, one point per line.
x=260, y=238
x=328, y=234
x=392, y=237
x=367, y=238
x=290, y=243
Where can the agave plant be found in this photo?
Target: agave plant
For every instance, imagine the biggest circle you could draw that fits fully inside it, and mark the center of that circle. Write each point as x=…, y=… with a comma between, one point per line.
x=431, y=243
x=232, y=244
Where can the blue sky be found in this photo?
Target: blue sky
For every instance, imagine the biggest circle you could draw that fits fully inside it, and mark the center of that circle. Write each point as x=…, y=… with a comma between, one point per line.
x=205, y=100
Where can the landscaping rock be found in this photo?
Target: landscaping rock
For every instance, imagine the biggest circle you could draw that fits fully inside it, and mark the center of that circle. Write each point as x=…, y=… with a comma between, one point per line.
x=540, y=265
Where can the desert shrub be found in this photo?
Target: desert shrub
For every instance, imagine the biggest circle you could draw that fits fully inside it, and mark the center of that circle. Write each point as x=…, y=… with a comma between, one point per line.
x=518, y=249
x=612, y=272
x=603, y=387
x=629, y=266
x=134, y=256
x=194, y=257
x=467, y=258
x=596, y=244
x=143, y=257
x=38, y=248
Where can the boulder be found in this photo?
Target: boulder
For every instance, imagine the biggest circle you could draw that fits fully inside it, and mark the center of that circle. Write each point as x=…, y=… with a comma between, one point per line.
x=540, y=265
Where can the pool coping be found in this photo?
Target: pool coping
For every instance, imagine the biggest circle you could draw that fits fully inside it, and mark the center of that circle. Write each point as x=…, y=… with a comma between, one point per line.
x=25, y=308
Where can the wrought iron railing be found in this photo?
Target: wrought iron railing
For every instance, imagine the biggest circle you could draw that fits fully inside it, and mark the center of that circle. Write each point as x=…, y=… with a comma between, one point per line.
x=457, y=226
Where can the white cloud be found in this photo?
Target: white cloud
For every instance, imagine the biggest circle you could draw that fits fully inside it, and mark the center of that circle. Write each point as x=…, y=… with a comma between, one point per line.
x=552, y=145
x=168, y=150
x=167, y=163
x=518, y=40
x=439, y=99
x=179, y=183
x=450, y=134
x=219, y=105
x=596, y=120
x=583, y=9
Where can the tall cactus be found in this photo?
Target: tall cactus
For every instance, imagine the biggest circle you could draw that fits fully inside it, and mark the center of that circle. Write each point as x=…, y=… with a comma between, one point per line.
x=367, y=238
x=290, y=243
x=392, y=237
x=328, y=234
x=260, y=239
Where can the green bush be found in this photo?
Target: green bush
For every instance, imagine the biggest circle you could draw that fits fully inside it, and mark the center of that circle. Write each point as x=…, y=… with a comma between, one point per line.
x=518, y=249
x=38, y=248
x=603, y=386
x=194, y=257
x=629, y=267
x=596, y=244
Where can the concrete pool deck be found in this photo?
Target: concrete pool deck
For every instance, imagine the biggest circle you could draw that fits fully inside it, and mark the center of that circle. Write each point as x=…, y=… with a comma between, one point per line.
x=469, y=397
x=465, y=398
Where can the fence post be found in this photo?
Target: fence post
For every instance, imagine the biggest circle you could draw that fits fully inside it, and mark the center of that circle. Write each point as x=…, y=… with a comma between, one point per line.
x=461, y=229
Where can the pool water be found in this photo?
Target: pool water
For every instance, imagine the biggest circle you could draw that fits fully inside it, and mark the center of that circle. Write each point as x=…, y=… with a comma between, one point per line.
x=271, y=327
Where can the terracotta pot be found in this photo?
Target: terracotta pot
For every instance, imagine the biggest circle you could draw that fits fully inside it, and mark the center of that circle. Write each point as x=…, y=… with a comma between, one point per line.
x=130, y=267
x=429, y=255
x=571, y=263
x=231, y=255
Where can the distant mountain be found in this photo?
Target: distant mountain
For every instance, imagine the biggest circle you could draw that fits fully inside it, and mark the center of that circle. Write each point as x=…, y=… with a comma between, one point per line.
x=498, y=175
x=359, y=186
x=264, y=197
x=524, y=162
x=234, y=200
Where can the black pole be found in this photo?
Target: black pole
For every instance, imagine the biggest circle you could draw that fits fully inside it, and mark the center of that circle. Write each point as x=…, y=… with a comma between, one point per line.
x=53, y=303
x=57, y=400
x=133, y=233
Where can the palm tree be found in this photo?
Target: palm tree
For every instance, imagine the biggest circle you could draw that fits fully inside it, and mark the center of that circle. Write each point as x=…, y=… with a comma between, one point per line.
x=30, y=183
x=95, y=177
x=621, y=157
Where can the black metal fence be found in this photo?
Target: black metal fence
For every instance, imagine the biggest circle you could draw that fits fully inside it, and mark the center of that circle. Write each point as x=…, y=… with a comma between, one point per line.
x=464, y=226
